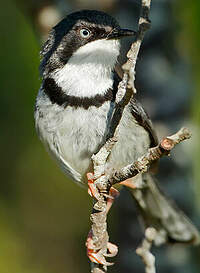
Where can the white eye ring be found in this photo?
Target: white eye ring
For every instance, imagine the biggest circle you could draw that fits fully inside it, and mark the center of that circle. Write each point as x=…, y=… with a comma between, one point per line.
x=84, y=32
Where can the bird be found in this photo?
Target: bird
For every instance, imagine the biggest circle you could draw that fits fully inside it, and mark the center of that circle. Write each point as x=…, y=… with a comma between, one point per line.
x=73, y=111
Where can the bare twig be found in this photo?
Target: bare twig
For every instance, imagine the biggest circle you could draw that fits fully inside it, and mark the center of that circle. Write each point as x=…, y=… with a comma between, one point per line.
x=144, y=250
x=125, y=90
x=155, y=153
x=144, y=24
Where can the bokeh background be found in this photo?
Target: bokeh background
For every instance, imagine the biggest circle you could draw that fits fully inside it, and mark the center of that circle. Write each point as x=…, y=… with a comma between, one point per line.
x=44, y=219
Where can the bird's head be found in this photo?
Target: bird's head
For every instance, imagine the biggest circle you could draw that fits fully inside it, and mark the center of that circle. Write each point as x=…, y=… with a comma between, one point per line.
x=92, y=36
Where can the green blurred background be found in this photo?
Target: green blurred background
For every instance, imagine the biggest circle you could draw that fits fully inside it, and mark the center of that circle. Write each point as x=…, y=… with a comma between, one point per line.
x=44, y=217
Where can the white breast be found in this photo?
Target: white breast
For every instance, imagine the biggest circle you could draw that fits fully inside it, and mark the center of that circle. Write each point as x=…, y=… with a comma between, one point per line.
x=89, y=71
x=72, y=135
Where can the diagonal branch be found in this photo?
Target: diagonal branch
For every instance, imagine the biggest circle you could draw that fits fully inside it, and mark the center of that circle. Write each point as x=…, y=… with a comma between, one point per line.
x=155, y=153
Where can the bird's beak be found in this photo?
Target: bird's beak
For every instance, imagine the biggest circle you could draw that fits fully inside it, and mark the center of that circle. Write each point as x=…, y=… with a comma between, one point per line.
x=120, y=33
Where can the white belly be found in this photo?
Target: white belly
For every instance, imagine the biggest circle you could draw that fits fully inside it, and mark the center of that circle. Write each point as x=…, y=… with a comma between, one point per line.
x=73, y=135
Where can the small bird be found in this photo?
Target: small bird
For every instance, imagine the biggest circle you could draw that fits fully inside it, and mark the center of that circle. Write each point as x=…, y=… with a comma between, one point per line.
x=73, y=111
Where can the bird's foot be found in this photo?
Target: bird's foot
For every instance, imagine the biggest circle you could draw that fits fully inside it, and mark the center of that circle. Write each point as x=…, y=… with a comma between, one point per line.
x=98, y=255
x=94, y=192
x=92, y=188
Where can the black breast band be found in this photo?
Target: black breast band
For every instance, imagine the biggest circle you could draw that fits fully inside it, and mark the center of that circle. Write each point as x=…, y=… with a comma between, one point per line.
x=56, y=95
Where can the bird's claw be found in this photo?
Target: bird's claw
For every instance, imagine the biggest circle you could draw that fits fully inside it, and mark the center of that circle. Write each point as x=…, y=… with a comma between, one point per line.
x=97, y=256
x=92, y=189
x=113, y=250
x=94, y=192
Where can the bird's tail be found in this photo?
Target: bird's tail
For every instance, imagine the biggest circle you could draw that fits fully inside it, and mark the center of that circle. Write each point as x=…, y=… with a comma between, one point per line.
x=160, y=212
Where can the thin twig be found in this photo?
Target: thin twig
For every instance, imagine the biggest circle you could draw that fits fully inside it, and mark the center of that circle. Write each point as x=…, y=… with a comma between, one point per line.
x=144, y=250
x=144, y=25
x=153, y=154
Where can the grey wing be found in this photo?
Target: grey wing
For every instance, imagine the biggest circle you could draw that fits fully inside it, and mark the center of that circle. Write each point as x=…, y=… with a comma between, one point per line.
x=142, y=118
x=136, y=109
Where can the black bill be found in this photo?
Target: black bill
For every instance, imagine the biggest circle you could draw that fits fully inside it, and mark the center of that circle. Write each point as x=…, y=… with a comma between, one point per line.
x=120, y=33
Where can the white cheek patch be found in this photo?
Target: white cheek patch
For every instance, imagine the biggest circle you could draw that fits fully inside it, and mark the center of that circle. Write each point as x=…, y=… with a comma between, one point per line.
x=89, y=70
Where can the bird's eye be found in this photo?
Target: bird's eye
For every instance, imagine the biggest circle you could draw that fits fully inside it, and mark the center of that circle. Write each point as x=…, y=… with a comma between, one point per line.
x=85, y=33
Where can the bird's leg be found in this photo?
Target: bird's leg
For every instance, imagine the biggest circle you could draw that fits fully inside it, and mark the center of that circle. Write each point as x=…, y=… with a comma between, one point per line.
x=94, y=192
x=97, y=255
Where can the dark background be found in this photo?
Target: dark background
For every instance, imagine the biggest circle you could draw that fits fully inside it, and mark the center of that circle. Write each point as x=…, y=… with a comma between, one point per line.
x=44, y=217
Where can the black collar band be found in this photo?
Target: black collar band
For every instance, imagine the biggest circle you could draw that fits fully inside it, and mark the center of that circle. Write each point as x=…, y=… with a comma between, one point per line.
x=56, y=95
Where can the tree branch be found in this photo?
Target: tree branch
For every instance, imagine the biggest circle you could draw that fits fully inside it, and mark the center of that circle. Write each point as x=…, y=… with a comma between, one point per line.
x=155, y=153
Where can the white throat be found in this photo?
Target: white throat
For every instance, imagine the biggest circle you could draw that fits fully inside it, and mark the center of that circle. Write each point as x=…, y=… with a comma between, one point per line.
x=89, y=71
